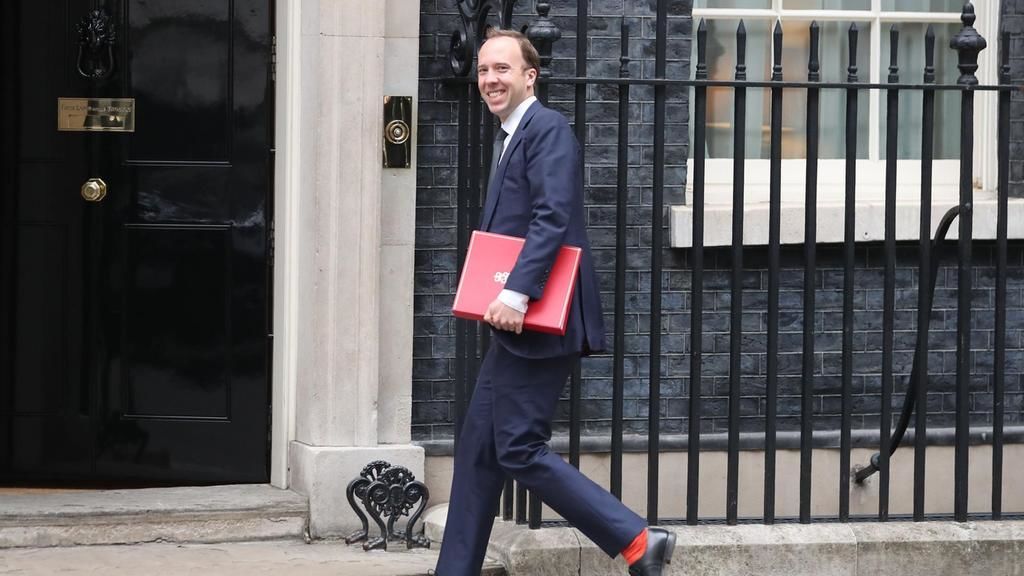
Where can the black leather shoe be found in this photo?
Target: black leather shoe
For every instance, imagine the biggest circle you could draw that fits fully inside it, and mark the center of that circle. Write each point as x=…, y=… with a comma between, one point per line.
x=660, y=545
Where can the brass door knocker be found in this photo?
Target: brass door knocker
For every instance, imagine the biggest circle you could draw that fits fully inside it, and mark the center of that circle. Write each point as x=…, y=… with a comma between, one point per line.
x=96, y=38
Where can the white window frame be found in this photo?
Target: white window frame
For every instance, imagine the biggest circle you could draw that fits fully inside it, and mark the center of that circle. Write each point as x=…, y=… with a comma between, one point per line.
x=870, y=171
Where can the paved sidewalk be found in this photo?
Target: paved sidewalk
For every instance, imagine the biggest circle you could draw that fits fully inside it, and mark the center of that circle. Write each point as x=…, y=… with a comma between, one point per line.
x=278, y=558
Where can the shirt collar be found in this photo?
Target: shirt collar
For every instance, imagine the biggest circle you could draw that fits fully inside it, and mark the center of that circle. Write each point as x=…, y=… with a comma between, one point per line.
x=512, y=123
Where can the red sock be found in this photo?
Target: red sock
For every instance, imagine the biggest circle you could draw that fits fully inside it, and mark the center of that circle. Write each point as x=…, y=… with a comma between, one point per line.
x=636, y=548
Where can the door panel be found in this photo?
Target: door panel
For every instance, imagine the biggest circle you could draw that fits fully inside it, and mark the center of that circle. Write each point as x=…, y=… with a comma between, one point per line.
x=41, y=66
x=136, y=345
x=42, y=347
x=44, y=390
x=194, y=77
x=176, y=355
x=170, y=194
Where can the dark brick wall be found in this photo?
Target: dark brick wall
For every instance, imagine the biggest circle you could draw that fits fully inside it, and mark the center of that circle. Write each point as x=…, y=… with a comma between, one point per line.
x=1013, y=24
x=434, y=347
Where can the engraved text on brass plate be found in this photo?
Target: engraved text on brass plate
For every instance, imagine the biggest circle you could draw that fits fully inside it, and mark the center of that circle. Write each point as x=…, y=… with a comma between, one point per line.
x=96, y=114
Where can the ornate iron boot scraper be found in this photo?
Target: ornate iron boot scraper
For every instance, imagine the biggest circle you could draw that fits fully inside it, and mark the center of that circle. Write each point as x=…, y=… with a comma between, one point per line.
x=387, y=491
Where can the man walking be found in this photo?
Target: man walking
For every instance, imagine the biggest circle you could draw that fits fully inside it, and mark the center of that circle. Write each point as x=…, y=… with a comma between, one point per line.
x=536, y=193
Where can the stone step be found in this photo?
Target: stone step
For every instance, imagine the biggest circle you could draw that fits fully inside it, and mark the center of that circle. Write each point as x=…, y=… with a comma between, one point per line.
x=182, y=515
x=267, y=558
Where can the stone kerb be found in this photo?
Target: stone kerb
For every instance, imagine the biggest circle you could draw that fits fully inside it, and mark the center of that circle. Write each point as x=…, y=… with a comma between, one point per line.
x=820, y=549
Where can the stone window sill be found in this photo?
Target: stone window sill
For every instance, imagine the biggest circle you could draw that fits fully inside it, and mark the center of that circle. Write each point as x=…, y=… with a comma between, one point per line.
x=870, y=226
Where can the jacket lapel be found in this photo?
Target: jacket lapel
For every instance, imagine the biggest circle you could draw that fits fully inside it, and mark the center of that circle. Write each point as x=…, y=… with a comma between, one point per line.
x=496, y=183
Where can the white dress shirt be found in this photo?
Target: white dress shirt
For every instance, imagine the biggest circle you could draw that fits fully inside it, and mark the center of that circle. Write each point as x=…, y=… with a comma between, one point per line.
x=515, y=300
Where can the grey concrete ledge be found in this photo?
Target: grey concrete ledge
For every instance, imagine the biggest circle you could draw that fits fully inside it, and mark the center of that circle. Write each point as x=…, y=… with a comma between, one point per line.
x=755, y=441
x=189, y=514
x=856, y=549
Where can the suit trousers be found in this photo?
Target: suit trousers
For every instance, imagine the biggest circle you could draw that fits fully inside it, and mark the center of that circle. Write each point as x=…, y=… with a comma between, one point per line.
x=506, y=432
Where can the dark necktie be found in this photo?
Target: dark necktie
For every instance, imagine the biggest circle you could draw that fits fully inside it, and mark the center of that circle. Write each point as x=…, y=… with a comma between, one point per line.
x=499, y=146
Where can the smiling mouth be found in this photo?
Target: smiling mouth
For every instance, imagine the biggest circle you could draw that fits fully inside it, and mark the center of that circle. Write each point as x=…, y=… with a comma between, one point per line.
x=495, y=94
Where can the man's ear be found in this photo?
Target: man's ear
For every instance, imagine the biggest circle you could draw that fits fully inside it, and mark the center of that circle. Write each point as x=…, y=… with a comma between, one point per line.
x=532, y=72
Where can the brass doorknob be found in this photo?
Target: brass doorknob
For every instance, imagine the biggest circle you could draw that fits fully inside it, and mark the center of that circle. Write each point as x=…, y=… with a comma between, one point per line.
x=94, y=190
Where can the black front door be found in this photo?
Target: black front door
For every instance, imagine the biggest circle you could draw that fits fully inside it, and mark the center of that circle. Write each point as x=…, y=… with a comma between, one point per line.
x=134, y=327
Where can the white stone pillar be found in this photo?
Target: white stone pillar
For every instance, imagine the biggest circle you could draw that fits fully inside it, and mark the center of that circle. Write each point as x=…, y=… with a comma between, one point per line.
x=354, y=234
x=398, y=233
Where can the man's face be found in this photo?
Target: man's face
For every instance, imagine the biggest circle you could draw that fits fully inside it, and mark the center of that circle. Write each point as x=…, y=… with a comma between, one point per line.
x=502, y=76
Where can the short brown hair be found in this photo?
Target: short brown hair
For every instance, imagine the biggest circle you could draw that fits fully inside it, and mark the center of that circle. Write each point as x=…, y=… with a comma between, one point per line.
x=530, y=55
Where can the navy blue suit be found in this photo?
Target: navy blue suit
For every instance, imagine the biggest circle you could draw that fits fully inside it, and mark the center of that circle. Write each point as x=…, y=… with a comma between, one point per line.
x=536, y=193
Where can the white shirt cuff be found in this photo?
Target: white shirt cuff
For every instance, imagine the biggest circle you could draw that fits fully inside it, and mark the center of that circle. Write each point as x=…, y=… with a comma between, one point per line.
x=514, y=300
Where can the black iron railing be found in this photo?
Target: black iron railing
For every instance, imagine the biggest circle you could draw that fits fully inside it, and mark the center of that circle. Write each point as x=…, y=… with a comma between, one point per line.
x=471, y=341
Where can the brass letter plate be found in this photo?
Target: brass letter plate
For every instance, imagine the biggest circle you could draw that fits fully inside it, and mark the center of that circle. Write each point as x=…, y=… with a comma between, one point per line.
x=96, y=114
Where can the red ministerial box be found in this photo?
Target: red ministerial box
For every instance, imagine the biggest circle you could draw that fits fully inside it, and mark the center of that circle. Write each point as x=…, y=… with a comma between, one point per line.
x=489, y=260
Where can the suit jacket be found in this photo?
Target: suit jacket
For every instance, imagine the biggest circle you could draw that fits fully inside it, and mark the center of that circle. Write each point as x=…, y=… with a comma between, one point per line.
x=537, y=194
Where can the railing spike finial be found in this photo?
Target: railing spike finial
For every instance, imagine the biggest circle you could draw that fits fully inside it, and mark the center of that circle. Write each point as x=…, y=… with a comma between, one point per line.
x=1004, y=56
x=543, y=33
x=624, y=55
x=968, y=44
x=777, y=51
x=929, y=55
x=894, y=43
x=741, y=51
x=701, y=72
x=851, y=70
x=813, y=65
x=967, y=15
